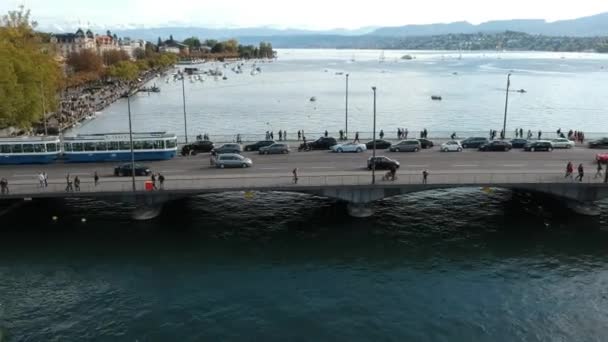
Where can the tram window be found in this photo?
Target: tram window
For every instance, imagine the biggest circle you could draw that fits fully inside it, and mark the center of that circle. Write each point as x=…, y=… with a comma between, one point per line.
x=113, y=146
x=89, y=146
x=137, y=145
x=77, y=147
x=51, y=147
x=101, y=146
x=148, y=145
x=17, y=148
x=171, y=143
x=28, y=148
x=159, y=144
x=39, y=148
x=125, y=145
x=67, y=147
x=5, y=149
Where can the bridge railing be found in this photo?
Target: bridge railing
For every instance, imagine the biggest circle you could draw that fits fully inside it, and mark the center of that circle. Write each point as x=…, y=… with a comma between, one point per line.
x=124, y=185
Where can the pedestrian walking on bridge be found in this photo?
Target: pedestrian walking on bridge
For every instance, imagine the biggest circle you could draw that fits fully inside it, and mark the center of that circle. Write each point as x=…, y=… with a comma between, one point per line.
x=425, y=176
x=598, y=172
x=76, y=183
x=96, y=178
x=540, y=134
x=3, y=186
x=569, y=170
x=41, y=180
x=581, y=173
x=295, y=175
x=326, y=134
x=299, y=135
x=153, y=179
x=381, y=134
x=280, y=135
x=68, y=183
x=356, y=137
x=161, y=180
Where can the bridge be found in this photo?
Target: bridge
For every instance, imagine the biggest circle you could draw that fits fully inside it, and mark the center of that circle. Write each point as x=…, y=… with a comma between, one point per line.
x=322, y=173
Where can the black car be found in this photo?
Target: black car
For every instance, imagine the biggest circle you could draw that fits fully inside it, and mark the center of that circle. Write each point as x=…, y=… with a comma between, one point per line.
x=125, y=170
x=382, y=163
x=199, y=146
x=518, y=143
x=380, y=144
x=323, y=143
x=426, y=143
x=539, y=146
x=601, y=143
x=473, y=142
x=257, y=145
x=496, y=145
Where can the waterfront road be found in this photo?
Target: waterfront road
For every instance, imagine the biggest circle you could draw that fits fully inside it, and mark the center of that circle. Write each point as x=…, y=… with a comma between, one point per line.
x=327, y=163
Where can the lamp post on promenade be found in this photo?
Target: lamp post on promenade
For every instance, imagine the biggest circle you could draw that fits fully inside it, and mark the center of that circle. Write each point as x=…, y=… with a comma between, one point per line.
x=374, y=140
x=346, y=110
x=184, y=105
x=131, y=142
x=504, y=123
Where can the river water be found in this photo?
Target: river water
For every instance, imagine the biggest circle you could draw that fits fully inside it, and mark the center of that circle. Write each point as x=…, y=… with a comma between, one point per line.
x=457, y=265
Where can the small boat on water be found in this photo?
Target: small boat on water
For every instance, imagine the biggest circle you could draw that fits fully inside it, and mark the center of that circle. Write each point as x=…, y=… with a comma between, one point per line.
x=313, y=99
x=436, y=98
x=522, y=91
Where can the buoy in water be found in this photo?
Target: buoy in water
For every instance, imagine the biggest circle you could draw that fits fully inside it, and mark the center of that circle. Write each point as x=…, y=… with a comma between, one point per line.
x=83, y=220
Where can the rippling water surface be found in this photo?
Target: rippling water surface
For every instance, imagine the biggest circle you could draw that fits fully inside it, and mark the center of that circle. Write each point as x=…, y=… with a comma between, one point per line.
x=457, y=265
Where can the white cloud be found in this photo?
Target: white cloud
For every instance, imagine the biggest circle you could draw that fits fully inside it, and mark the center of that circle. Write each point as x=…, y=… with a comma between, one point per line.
x=317, y=14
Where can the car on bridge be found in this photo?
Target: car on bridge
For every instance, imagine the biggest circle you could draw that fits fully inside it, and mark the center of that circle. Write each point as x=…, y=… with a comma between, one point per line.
x=496, y=145
x=380, y=144
x=426, y=143
x=256, y=146
x=562, y=143
x=323, y=143
x=601, y=143
x=275, y=149
x=199, y=146
x=228, y=148
x=518, y=143
x=451, y=146
x=125, y=170
x=411, y=145
x=474, y=142
x=539, y=145
x=382, y=163
x=348, y=147
x=232, y=160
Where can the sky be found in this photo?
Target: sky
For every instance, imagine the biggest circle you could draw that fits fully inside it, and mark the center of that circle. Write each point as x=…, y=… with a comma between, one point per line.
x=306, y=14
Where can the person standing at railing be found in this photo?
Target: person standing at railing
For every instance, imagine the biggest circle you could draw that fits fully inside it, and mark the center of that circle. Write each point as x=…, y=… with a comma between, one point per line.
x=4, y=186
x=453, y=136
x=581, y=173
x=76, y=183
x=280, y=135
x=425, y=176
x=153, y=179
x=405, y=133
x=356, y=137
x=540, y=134
x=326, y=133
x=96, y=178
x=68, y=183
x=161, y=180
x=41, y=180
x=46, y=180
x=299, y=135
x=381, y=134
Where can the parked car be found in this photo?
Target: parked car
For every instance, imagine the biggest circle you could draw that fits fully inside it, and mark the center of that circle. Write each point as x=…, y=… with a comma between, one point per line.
x=275, y=149
x=348, y=147
x=199, y=146
x=380, y=144
x=382, y=163
x=232, y=160
x=256, y=146
x=601, y=143
x=496, y=145
x=411, y=145
x=125, y=170
x=562, y=143
x=518, y=143
x=451, y=146
x=602, y=157
x=323, y=143
x=426, y=143
x=540, y=145
x=228, y=148
x=473, y=142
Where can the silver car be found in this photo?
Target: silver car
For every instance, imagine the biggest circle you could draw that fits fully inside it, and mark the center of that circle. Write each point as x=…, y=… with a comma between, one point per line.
x=228, y=148
x=232, y=160
x=275, y=149
x=406, y=146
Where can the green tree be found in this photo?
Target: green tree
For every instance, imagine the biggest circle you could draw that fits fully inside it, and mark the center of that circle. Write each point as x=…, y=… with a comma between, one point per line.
x=192, y=42
x=125, y=70
x=85, y=61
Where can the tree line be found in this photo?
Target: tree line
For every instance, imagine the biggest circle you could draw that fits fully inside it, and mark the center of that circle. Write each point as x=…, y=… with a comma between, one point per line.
x=230, y=46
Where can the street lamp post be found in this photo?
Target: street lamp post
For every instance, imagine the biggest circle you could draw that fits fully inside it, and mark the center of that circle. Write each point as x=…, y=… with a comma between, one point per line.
x=504, y=123
x=184, y=105
x=346, y=113
x=374, y=141
x=131, y=142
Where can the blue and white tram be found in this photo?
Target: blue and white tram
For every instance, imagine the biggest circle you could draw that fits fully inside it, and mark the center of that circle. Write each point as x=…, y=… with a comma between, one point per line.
x=29, y=150
x=117, y=147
